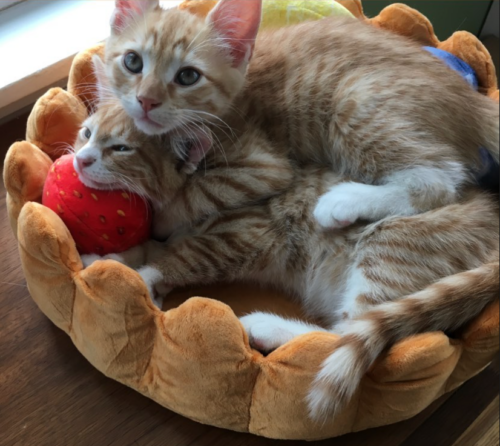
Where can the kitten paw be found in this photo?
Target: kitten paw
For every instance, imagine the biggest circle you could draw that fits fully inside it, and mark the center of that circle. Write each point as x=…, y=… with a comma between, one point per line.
x=88, y=259
x=156, y=285
x=341, y=206
x=267, y=332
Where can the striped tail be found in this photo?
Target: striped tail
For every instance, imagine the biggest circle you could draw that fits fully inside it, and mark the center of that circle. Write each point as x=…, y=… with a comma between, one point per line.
x=446, y=305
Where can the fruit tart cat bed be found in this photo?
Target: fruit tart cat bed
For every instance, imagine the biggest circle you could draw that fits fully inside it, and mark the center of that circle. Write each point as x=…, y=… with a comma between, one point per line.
x=195, y=358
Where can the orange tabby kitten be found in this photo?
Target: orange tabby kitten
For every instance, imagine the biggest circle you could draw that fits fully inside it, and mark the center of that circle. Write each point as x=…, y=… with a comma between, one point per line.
x=364, y=281
x=371, y=105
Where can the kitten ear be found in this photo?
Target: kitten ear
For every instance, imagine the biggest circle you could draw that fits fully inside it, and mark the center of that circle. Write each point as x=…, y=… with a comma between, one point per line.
x=102, y=83
x=128, y=9
x=238, y=22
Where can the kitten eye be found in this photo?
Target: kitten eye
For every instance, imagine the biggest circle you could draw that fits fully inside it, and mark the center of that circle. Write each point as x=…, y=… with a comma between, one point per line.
x=85, y=133
x=133, y=62
x=188, y=77
x=121, y=149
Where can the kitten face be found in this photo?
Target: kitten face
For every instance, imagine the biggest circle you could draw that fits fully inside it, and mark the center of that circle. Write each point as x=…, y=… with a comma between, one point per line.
x=170, y=68
x=112, y=154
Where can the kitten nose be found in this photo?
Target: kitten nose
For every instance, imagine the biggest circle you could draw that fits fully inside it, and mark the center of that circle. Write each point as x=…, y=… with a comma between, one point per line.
x=148, y=104
x=85, y=161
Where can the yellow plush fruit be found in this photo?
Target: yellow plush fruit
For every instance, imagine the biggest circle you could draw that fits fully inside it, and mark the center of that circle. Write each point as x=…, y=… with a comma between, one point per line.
x=278, y=13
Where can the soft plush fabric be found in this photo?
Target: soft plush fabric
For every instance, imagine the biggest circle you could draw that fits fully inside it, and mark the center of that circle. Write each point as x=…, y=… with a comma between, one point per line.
x=100, y=221
x=276, y=13
x=456, y=64
x=195, y=358
x=406, y=21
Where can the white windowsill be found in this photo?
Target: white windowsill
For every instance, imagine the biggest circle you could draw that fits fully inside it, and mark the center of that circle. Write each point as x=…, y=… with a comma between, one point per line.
x=38, y=40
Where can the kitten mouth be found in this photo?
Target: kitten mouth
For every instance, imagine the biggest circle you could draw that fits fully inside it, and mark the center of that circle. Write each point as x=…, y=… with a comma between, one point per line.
x=152, y=127
x=149, y=127
x=93, y=184
x=149, y=121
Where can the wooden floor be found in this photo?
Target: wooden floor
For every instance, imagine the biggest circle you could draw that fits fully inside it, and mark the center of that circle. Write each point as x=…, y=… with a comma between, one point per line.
x=51, y=396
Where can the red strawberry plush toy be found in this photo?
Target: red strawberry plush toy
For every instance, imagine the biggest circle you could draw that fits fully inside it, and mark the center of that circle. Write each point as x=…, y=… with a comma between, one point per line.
x=100, y=221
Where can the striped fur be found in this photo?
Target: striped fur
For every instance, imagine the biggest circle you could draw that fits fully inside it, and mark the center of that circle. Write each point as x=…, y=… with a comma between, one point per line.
x=233, y=174
x=371, y=105
x=378, y=111
x=445, y=305
x=355, y=279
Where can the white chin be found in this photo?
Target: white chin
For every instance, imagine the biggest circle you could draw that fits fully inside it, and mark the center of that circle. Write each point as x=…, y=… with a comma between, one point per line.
x=150, y=128
x=95, y=185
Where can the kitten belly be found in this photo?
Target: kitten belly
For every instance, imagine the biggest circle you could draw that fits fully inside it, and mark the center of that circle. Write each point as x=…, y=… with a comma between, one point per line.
x=319, y=287
x=325, y=286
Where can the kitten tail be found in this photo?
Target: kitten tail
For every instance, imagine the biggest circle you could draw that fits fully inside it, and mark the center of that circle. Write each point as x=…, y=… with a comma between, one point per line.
x=446, y=305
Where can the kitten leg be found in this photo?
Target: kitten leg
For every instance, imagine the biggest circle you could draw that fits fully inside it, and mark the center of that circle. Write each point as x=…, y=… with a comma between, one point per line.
x=222, y=248
x=267, y=331
x=157, y=288
x=345, y=203
x=133, y=258
x=405, y=193
x=89, y=259
x=359, y=296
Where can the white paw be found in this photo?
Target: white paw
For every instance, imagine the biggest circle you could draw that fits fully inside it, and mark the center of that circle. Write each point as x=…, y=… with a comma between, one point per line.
x=155, y=283
x=88, y=259
x=341, y=206
x=115, y=257
x=267, y=331
x=158, y=302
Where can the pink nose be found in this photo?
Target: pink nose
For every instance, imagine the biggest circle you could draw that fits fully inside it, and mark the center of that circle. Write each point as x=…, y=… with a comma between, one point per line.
x=148, y=104
x=85, y=161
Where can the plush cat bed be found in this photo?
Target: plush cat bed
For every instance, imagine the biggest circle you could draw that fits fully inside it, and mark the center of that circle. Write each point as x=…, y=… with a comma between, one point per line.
x=195, y=358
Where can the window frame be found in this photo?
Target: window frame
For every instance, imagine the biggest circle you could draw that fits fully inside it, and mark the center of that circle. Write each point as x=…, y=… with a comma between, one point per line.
x=32, y=76
x=5, y=4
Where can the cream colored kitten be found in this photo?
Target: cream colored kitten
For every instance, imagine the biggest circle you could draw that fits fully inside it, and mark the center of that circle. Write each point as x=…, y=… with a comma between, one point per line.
x=369, y=104
x=230, y=173
x=365, y=281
